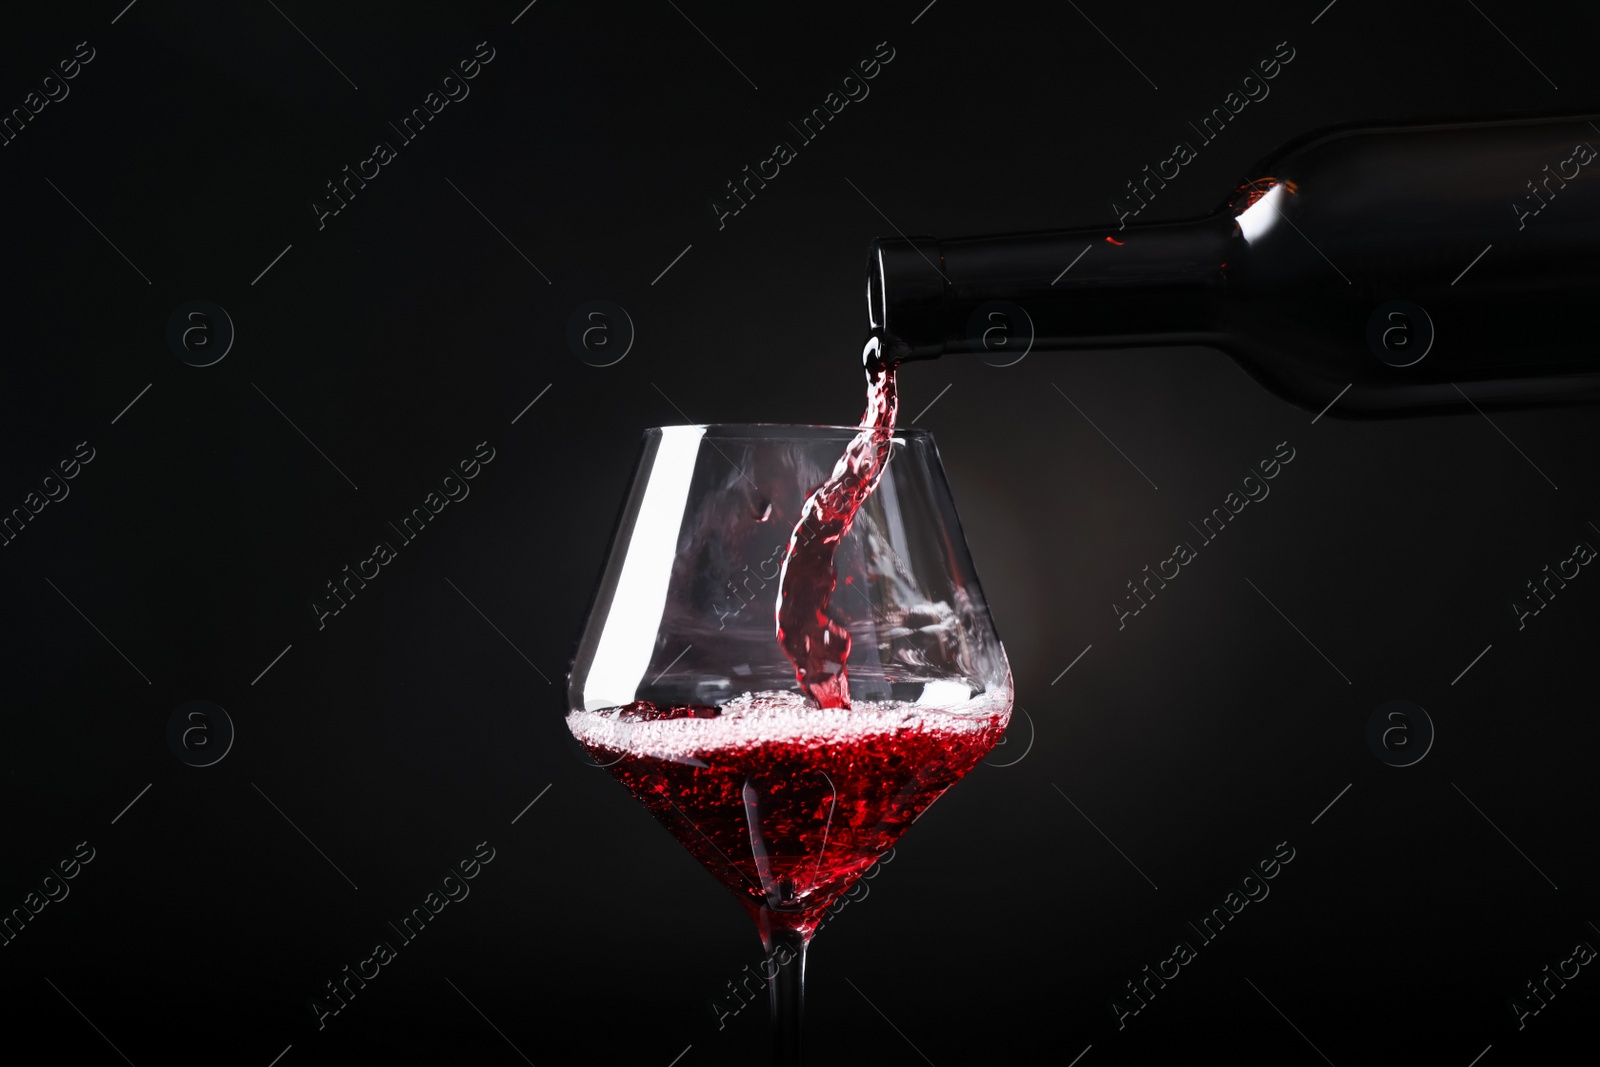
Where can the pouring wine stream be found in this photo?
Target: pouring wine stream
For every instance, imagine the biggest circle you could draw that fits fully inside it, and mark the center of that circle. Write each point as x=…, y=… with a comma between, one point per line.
x=818, y=645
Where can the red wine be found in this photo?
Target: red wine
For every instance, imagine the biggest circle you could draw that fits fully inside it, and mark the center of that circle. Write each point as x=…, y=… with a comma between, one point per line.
x=784, y=803
x=818, y=644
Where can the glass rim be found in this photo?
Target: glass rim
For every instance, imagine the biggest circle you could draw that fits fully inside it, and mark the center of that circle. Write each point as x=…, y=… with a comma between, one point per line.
x=764, y=429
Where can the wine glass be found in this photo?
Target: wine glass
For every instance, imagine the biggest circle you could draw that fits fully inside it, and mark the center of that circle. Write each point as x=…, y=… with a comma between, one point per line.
x=681, y=690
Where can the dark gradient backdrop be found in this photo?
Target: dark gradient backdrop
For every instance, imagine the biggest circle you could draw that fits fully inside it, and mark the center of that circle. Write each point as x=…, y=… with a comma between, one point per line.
x=381, y=346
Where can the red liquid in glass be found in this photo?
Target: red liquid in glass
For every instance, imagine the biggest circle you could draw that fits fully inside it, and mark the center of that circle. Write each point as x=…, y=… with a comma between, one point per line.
x=787, y=804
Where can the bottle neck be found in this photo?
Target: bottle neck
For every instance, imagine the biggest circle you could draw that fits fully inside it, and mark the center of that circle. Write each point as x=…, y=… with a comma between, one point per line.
x=1089, y=288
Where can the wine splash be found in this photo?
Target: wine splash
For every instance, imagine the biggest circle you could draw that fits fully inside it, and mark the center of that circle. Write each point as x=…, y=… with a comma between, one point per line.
x=817, y=644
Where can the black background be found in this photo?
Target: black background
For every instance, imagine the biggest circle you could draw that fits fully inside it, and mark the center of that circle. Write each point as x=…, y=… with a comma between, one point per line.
x=411, y=727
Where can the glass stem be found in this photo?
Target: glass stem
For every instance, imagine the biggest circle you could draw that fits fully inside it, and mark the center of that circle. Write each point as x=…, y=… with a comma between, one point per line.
x=786, y=985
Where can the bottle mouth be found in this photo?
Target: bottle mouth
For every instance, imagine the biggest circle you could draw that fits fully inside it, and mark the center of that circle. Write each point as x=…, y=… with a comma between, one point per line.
x=905, y=296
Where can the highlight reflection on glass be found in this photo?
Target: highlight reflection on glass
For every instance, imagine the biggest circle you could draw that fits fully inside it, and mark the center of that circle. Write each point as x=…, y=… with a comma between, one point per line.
x=1263, y=213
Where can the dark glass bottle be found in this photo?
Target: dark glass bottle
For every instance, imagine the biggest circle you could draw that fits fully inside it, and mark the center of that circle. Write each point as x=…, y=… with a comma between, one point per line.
x=1417, y=265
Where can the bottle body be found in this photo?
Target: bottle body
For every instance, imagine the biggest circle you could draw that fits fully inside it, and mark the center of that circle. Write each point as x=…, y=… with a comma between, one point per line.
x=1401, y=269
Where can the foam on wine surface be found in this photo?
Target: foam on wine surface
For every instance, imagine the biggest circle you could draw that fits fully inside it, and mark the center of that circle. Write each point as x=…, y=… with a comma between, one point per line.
x=755, y=719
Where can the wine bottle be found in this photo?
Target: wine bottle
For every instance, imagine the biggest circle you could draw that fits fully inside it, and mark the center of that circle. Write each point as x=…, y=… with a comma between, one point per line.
x=1400, y=269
